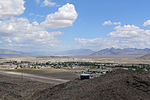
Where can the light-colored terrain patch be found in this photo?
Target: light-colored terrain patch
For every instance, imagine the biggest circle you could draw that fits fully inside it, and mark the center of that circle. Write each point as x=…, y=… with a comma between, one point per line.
x=43, y=79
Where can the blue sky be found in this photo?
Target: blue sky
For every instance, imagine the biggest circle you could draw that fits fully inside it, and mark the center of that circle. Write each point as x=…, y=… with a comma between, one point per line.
x=58, y=25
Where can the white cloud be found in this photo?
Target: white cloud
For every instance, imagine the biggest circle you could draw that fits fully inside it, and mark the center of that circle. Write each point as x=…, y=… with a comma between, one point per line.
x=127, y=36
x=7, y=39
x=109, y=22
x=48, y=3
x=146, y=23
x=17, y=39
x=131, y=36
x=20, y=32
x=130, y=32
x=43, y=37
x=9, y=8
x=126, y=31
x=64, y=17
x=17, y=26
x=37, y=1
x=97, y=43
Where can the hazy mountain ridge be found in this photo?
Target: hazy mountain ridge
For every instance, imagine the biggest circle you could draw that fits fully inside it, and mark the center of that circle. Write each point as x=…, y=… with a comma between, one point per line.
x=145, y=57
x=82, y=52
x=76, y=52
x=10, y=52
x=126, y=51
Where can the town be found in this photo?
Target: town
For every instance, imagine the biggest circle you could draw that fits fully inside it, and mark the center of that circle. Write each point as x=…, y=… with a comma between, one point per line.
x=73, y=65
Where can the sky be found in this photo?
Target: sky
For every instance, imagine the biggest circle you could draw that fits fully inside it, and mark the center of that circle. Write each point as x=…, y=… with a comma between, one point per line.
x=59, y=25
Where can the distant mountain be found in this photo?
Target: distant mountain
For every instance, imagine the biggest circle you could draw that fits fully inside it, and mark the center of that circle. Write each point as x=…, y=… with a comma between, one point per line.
x=82, y=52
x=126, y=51
x=7, y=52
x=145, y=57
x=76, y=52
x=10, y=52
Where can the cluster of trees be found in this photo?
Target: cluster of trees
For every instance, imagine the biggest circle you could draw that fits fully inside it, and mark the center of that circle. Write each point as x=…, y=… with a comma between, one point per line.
x=138, y=67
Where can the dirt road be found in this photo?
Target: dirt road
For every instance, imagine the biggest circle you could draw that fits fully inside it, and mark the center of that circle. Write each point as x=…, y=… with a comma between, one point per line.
x=33, y=77
x=22, y=84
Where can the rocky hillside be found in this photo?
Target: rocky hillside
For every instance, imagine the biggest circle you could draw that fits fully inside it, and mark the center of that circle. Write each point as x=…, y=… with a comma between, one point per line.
x=117, y=85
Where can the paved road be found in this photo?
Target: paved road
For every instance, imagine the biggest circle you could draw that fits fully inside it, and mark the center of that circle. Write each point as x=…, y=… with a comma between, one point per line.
x=33, y=77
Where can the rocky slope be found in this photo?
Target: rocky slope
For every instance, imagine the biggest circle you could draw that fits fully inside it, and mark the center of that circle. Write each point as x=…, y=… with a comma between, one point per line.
x=117, y=85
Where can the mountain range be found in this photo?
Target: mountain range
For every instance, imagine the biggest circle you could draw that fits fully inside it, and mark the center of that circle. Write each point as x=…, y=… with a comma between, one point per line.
x=145, y=57
x=10, y=52
x=74, y=52
x=77, y=52
x=125, y=51
x=82, y=52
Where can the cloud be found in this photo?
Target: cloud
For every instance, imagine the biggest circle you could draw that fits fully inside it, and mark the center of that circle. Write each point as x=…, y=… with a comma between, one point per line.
x=130, y=33
x=9, y=8
x=97, y=43
x=37, y=1
x=127, y=36
x=109, y=22
x=126, y=31
x=146, y=23
x=7, y=39
x=19, y=32
x=64, y=17
x=48, y=3
x=17, y=26
x=131, y=36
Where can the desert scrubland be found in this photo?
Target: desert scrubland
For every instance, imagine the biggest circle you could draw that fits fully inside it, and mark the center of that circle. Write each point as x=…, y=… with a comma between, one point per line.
x=57, y=78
